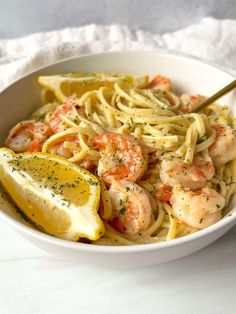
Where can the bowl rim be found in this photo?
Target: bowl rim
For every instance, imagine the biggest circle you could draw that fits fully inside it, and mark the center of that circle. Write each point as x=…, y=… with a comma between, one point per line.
x=39, y=235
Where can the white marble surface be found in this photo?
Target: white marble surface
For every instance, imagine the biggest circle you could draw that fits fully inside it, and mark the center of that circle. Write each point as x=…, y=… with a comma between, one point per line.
x=34, y=282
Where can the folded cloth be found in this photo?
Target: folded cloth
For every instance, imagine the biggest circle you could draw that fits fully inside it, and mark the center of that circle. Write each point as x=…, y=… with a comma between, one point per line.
x=211, y=39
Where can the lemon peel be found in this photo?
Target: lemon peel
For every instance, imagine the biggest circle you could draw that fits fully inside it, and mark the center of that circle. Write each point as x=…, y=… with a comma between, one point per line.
x=56, y=195
x=65, y=85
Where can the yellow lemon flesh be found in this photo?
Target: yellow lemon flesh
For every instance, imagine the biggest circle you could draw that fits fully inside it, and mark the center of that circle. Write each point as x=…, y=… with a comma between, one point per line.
x=69, y=84
x=59, y=197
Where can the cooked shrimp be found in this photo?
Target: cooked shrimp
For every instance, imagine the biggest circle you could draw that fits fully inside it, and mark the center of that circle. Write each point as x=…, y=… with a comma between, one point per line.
x=121, y=157
x=194, y=176
x=131, y=207
x=189, y=102
x=28, y=136
x=224, y=147
x=161, y=82
x=198, y=209
x=67, y=148
x=67, y=109
x=87, y=164
x=60, y=149
x=164, y=193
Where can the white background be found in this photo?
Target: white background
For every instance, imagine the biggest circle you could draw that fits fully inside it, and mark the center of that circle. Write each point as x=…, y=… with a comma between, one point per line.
x=21, y=17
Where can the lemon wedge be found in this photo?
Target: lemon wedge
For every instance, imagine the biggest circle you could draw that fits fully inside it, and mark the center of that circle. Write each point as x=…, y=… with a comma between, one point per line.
x=59, y=197
x=69, y=84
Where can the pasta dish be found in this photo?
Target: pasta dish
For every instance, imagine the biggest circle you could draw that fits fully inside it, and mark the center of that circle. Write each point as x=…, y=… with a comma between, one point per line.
x=163, y=171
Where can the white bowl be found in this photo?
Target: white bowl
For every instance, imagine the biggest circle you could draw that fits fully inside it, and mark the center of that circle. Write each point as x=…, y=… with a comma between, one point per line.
x=188, y=75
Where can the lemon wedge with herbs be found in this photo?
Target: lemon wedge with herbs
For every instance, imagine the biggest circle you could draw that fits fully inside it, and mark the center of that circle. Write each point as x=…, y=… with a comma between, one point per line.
x=66, y=85
x=59, y=197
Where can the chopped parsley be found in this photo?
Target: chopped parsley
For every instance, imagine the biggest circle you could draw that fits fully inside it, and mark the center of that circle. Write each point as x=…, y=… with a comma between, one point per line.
x=122, y=211
x=90, y=181
x=203, y=138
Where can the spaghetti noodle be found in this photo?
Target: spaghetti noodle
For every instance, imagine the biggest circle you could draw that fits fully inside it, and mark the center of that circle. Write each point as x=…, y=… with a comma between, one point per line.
x=160, y=123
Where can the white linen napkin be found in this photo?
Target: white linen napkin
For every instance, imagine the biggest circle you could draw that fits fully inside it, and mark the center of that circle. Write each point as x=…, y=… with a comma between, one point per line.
x=211, y=39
